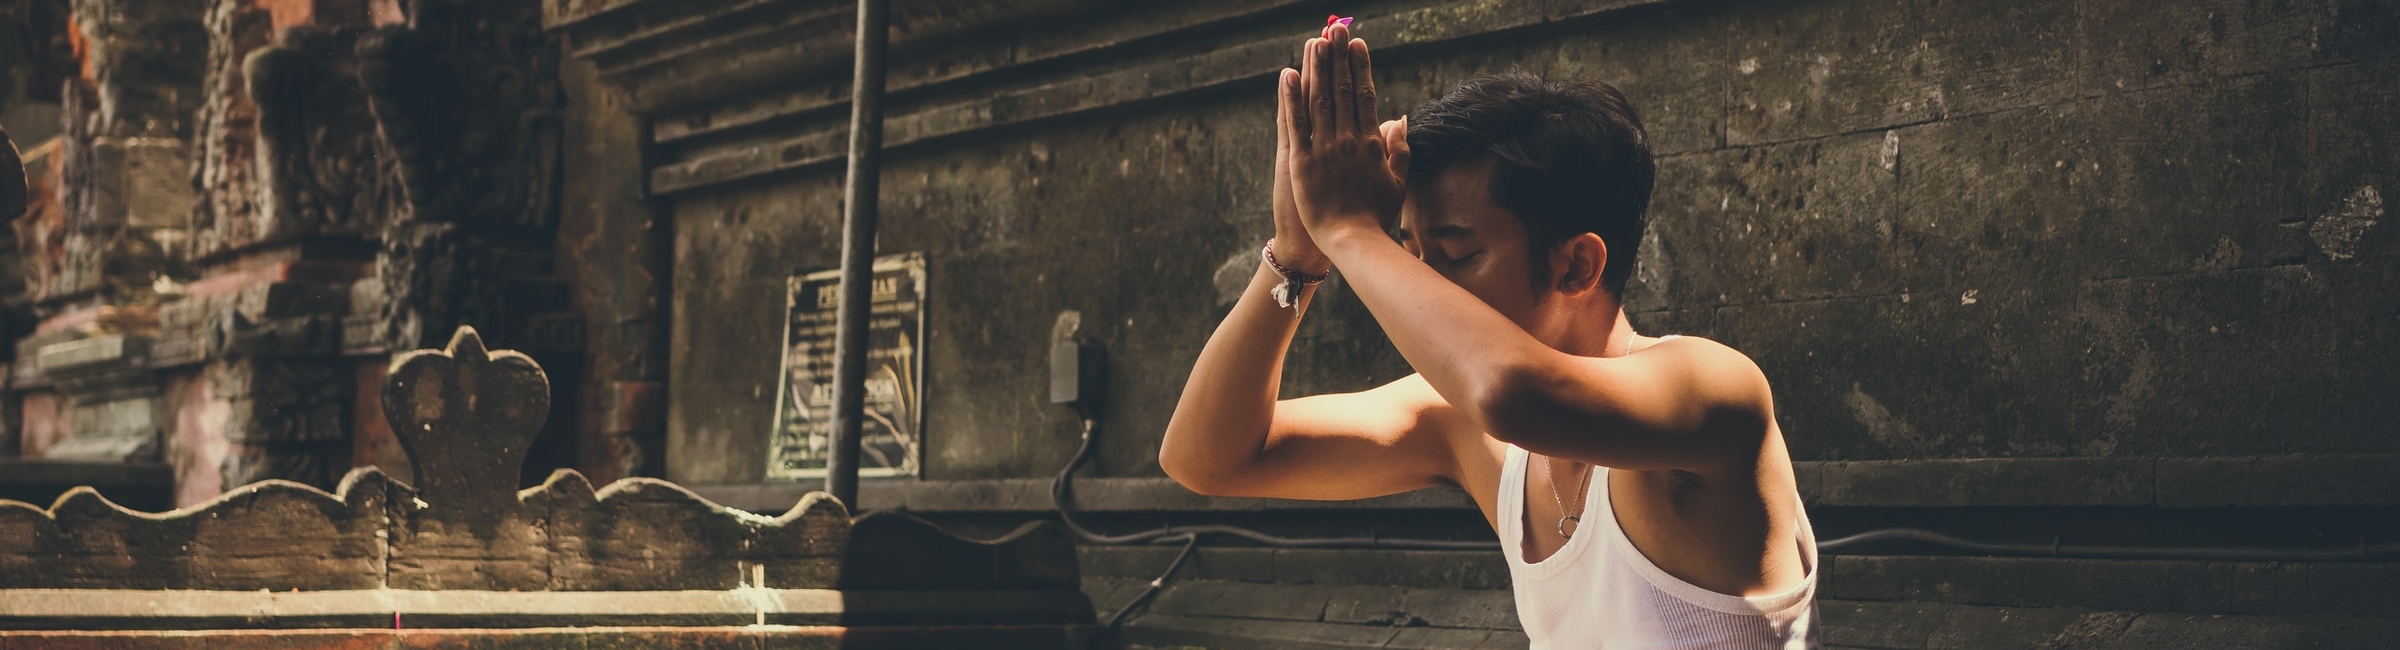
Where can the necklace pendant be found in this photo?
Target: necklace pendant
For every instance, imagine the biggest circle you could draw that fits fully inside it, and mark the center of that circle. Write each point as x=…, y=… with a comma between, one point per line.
x=1563, y=533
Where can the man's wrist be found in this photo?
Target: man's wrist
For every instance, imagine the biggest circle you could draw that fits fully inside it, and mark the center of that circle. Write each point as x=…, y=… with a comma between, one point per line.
x=1345, y=234
x=1296, y=253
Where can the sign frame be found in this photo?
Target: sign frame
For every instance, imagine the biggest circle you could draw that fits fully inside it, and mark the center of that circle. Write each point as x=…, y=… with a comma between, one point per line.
x=891, y=439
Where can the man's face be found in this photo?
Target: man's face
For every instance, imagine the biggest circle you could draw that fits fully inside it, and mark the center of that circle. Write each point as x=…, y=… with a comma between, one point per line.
x=1451, y=223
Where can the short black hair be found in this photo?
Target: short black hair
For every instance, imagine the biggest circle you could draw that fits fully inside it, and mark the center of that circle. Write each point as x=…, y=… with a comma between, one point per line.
x=1569, y=157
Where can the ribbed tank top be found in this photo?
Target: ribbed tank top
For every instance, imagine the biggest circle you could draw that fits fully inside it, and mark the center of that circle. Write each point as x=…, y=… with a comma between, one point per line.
x=1598, y=591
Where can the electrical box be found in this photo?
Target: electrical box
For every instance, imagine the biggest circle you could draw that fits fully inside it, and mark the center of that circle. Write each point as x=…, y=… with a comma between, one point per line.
x=1078, y=373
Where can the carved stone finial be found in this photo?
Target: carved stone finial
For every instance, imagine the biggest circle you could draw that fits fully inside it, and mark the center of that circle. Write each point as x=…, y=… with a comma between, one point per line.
x=466, y=416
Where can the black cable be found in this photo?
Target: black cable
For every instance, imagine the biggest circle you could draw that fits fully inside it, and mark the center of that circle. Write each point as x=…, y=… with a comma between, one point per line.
x=1061, y=497
x=1190, y=542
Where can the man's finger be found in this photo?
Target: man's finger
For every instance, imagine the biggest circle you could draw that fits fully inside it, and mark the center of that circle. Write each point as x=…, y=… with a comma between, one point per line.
x=1321, y=90
x=1395, y=146
x=1287, y=84
x=1304, y=122
x=1362, y=71
x=1345, y=84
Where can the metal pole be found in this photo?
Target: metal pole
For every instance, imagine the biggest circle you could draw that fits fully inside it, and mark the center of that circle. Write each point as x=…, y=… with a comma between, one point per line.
x=858, y=250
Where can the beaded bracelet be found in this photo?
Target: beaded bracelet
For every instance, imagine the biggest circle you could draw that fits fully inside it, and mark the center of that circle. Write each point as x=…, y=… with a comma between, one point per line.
x=1288, y=293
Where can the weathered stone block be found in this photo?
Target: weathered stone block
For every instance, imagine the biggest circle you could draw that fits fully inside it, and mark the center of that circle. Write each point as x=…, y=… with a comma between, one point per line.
x=2272, y=361
x=1451, y=569
x=2279, y=481
x=120, y=429
x=1825, y=69
x=647, y=534
x=1980, y=482
x=1867, y=624
x=1806, y=220
x=144, y=183
x=265, y=536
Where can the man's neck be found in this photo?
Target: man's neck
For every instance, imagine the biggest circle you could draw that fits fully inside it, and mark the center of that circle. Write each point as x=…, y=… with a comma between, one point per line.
x=1610, y=336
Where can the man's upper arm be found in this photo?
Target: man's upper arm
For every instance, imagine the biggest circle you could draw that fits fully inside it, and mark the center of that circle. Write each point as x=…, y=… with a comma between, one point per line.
x=1688, y=404
x=1372, y=443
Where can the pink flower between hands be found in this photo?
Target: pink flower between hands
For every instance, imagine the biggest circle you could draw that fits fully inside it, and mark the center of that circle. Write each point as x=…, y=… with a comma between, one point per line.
x=1332, y=20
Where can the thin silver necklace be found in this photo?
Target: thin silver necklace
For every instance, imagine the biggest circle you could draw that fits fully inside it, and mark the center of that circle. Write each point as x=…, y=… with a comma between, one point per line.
x=1581, y=488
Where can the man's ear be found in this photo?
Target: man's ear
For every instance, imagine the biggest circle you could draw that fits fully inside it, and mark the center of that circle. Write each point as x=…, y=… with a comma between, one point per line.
x=1575, y=264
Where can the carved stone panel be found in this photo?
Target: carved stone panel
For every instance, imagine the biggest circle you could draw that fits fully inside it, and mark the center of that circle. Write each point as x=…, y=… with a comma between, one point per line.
x=228, y=138
x=467, y=98
x=323, y=168
x=289, y=419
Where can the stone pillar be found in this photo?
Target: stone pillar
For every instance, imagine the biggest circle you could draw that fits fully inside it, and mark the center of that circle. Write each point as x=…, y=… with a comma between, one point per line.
x=619, y=251
x=260, y=199
x=121, y=195
x=468, y=243
x=291, y=195
x=13, y=195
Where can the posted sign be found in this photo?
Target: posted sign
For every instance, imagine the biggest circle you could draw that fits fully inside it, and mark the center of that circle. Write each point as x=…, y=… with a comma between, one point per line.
x=890, y=438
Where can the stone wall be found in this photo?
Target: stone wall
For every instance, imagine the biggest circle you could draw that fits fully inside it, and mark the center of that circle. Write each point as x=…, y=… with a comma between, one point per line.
x=2102, y=270
x=1966, y=230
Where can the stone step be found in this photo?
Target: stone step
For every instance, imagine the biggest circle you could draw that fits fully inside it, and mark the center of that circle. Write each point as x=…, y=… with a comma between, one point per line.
x=1169, y=631
x=1218, y=613
x=2184, y=586
x=1845, y=624
x=1318, y=598
x=1932, y=626
x=1444, y=569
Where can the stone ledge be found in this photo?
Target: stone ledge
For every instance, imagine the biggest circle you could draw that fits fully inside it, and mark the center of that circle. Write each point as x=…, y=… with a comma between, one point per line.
x=1033, y=495
x=2358, y=480
x=746, y=637
x=2242, y=481
x=2347, y=480
x=2351, y=588
x=193, y=610
x=1978, y=482
x=1059, y=97
x=930, y=70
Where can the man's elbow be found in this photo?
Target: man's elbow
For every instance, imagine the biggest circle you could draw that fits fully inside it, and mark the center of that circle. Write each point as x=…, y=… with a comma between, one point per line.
x=1202, y=483
x=1520, y=403
x=1193, y=476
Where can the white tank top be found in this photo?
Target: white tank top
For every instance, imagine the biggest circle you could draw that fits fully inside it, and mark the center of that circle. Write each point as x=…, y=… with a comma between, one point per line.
x=1598, y=591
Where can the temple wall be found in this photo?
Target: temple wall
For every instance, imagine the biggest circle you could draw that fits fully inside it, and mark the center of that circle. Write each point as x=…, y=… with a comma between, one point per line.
x=2116, y=272
x=2102, y=231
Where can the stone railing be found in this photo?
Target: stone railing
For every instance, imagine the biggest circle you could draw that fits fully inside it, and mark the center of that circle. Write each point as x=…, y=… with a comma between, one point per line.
x=460, y=552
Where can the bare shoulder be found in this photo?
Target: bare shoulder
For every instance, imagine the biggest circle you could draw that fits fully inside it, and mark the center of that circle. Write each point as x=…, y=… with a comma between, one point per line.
x=1714, y=372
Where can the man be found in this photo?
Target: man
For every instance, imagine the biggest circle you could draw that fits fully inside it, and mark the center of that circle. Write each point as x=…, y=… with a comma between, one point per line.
x=1640, y=487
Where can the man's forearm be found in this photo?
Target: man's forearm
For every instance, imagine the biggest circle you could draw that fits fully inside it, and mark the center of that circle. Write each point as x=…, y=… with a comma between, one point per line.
x=1222, y=419
x=1462, y=347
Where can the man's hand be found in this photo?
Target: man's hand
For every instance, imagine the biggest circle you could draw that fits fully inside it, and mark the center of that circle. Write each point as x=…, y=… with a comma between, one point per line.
x=1346, y=171
x=1293, y=248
